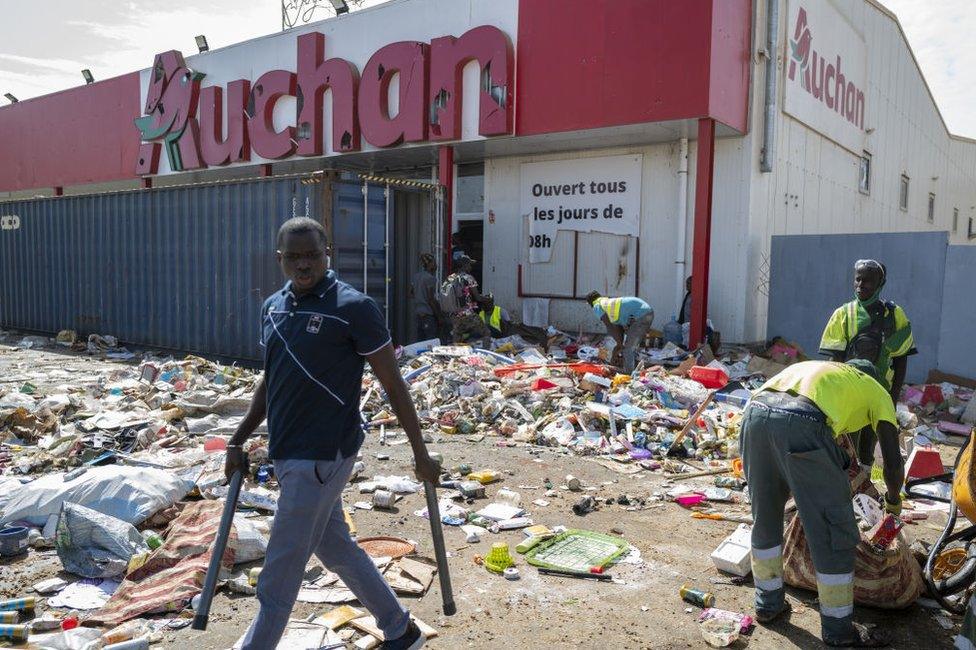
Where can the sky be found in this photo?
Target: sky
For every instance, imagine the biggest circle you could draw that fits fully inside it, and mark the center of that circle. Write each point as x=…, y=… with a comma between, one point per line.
x=45, y=45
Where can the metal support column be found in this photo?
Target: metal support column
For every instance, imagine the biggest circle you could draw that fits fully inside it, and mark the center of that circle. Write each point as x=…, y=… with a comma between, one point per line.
x=701, y=249
x=386, y=257
x=445, y=177
x=365, y=235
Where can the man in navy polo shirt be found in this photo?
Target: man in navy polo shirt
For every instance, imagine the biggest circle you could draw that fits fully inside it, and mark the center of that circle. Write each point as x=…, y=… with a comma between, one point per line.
x=317, y=332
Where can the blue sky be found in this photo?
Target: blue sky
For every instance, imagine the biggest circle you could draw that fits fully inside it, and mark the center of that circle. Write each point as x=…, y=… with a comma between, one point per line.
x=44, y=45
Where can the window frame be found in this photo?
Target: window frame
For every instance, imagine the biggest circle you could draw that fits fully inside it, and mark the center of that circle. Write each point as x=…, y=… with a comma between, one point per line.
x=864, y=179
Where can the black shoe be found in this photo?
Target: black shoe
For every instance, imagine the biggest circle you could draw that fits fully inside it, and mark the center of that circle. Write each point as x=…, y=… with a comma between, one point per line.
x=765, y=618
x=412, y=639
x=865, y=636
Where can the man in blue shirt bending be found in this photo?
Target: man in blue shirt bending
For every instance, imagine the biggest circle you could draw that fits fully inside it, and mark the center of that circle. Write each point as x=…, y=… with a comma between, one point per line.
x=317, y=333
x=627, y=319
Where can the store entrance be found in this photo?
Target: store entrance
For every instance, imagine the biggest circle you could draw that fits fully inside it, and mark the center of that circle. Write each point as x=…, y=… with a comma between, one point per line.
x=379, y=228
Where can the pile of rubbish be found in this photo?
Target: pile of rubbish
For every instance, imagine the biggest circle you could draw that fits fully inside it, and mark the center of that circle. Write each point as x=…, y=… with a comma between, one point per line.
x=118, y=470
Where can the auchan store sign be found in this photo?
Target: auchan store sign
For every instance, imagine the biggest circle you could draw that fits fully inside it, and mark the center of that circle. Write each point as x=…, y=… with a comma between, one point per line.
x=197, y=127
x=826, y=72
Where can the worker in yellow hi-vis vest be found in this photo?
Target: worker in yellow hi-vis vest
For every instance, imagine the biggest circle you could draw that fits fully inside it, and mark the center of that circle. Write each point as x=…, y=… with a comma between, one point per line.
x=873, y=329
x=627, y=319
x=789, y=447
x=498, y=320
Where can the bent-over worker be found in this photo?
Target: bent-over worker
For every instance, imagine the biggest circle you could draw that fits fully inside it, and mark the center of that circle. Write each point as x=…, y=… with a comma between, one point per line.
x=627, y=320
x=789, y=446
x=317, y=332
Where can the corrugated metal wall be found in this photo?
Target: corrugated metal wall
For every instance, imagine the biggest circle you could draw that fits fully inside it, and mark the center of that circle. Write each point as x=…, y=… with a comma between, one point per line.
x=183, y=268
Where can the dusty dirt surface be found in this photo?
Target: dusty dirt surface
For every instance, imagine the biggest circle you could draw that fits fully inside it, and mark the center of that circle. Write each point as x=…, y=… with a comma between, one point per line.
x=640, y=609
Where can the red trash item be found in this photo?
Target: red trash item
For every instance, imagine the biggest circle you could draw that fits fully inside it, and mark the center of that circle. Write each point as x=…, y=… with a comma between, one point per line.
x=543, y=384
x=69, y=623
x=924, y=462
x=580, y=368
x=932, y=395
x=709, y=377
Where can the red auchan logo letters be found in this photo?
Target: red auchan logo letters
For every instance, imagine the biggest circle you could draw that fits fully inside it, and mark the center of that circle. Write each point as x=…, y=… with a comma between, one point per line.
x=188, y=120
x=825, y=81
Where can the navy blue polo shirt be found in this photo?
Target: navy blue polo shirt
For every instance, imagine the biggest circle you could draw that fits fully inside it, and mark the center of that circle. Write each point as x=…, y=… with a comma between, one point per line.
x=314, y=353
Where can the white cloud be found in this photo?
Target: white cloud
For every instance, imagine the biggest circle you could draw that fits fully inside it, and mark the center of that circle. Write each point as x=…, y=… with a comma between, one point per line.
x=941, y=35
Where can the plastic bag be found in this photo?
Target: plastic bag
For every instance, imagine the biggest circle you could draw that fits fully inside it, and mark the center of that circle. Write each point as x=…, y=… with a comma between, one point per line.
x=132, y=494
x=252, y=541
x=94, y=545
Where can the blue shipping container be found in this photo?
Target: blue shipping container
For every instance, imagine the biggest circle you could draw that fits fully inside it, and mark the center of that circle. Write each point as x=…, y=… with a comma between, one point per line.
x=181, y=268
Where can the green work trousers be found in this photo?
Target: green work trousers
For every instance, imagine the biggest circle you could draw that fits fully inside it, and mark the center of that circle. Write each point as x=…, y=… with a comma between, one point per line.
x=793, y=451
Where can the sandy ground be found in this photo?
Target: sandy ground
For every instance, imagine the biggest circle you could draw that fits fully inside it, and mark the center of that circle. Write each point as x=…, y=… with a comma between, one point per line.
x=640, y=609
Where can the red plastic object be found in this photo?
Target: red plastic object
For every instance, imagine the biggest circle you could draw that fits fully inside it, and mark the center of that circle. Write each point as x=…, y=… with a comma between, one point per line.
x=596, y=569
x=932, y=395
x=709, y=377
x=543, y=384
x=923, y=463
x=69, y=623
x=579, y=368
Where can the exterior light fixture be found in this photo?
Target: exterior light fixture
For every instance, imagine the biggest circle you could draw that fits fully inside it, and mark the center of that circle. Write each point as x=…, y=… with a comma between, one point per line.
x=86, y=73
x=340, y=6
x=202, y=43
x=13, y=100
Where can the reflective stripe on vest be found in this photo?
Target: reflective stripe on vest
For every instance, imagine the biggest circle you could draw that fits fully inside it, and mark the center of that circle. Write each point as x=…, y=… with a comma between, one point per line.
x=495, y=322
x=611, y=306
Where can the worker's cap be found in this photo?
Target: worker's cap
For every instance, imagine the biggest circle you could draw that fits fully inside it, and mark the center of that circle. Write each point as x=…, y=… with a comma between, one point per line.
x=426, y=258
x=592, y=296
x=866, y=367
x=464, y=259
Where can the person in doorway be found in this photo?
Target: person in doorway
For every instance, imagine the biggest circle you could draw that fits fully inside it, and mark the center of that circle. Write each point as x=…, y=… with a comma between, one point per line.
x=677, y=331
x=789, y=446
x=872, y=329
x=627, y=320
x=465, y=324
x=457, y=247
x=423, y=288
x=498, y=320
x=317, y=332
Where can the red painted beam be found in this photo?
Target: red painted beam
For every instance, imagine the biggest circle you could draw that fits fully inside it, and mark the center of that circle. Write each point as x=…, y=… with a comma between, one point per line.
x=445, y=176
x=701, y=248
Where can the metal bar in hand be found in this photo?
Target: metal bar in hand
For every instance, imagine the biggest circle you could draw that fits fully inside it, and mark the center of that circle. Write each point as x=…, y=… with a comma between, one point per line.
x=202, y=613
x=434, y=514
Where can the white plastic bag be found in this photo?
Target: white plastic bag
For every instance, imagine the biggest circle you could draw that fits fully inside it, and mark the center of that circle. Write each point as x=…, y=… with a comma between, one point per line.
x=132, y=494
x=94, y=545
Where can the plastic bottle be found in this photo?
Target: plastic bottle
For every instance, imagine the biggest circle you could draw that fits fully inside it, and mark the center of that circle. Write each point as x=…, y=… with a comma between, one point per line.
x=138, y=643
x=124, y=632
x=153, y=540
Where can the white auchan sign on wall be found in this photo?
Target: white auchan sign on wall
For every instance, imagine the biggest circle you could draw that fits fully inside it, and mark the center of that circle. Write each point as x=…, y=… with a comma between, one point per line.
x=825, y=72
x=588, y=195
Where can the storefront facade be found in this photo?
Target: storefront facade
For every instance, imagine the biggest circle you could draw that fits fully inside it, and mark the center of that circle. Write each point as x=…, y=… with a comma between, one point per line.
x=609, y=145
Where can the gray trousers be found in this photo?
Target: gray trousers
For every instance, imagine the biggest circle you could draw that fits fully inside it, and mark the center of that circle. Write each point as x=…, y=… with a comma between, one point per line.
x=787, y=453
x=309, y=520
x=633, y=336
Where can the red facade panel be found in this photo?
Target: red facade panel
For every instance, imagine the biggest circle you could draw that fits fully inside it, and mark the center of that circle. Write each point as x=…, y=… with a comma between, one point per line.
x=586, y=64
x=82, y=135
